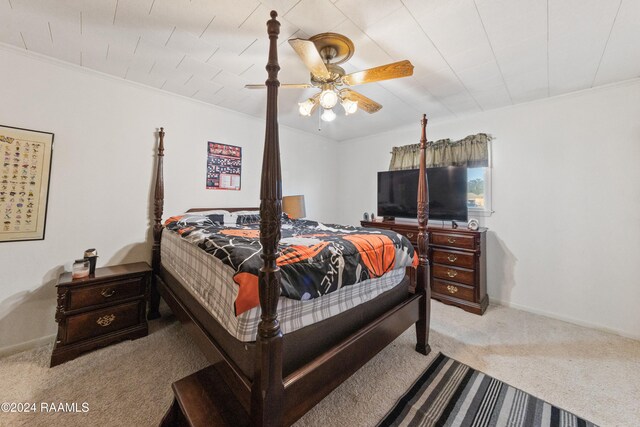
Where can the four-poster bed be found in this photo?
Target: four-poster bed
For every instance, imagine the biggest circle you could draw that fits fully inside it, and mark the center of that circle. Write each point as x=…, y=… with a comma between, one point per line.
x=276, y=379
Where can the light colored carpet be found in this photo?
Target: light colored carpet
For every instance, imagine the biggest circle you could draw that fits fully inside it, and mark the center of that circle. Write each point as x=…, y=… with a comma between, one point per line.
x=593, y=374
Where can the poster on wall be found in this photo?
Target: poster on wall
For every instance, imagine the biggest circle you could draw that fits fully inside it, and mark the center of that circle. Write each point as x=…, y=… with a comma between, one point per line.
x=24, y=183
x=224, y=166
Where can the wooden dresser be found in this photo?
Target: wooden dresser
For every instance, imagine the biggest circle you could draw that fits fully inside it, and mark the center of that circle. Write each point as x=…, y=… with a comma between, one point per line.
x=458, y=262
x=99, y=310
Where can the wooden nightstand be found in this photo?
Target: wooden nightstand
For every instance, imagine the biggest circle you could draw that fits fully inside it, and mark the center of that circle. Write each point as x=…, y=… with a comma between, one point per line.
x=99, y=310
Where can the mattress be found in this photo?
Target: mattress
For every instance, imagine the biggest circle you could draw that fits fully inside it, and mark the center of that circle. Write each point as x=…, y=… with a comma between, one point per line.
x=210, y=282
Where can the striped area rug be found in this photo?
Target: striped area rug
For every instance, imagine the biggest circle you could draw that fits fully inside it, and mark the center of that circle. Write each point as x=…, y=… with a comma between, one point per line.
x=450, y=393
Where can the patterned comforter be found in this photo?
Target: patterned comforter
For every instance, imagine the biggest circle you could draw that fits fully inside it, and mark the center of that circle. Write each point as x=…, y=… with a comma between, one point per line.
x=315, y=259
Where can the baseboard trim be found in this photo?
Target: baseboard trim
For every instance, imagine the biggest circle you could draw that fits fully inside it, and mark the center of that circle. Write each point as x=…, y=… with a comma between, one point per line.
x=27, y=345
x=567, y=319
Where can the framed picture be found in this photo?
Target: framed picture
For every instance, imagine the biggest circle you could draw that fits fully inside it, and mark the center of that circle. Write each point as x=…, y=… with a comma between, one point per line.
x=224, y=166
x=24, y=183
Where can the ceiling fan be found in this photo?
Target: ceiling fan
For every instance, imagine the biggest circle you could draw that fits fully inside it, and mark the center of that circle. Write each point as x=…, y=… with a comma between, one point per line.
x=321, y=54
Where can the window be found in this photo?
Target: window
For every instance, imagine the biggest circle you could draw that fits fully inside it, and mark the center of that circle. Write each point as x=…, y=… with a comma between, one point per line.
x=479, y=191
x=473, y=151
x=475, y=187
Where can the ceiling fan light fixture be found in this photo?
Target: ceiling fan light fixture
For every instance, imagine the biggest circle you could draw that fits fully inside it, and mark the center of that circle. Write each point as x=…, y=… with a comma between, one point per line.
x=328, y=115
x=349, y=106
x=306, y=107
x=328, y=98
x=322, y=55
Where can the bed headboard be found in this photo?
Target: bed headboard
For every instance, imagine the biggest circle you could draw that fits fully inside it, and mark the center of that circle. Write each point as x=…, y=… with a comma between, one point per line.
x=222, y=209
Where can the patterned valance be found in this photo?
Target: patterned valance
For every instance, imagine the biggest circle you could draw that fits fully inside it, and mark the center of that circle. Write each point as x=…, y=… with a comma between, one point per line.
x=472, y=152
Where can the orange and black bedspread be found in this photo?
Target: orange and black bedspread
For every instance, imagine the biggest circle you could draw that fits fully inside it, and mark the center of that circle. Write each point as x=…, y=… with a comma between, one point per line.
x=315, y=259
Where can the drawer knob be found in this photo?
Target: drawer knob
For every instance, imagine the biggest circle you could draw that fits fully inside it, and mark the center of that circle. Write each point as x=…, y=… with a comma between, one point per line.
x=106, y=320
x=451, y=240
x=452, y=258
x=108, y=292
x=409, y=235
x=452, y=273
x=452, y=289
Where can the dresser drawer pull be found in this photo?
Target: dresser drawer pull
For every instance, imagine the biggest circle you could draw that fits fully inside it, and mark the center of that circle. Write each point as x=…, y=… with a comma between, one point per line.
x=108, y=292
x=410, y=235
x=452, y=258
x=452, y=289
x=106, y=320
x=451, y=240
x=452, y=273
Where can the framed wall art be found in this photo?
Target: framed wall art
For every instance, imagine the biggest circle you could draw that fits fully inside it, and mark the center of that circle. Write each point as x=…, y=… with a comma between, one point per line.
x=224, y=166
x=24, y=183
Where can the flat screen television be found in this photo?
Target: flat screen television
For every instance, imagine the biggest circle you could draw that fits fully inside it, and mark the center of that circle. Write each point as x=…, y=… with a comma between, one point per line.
x=398, y=193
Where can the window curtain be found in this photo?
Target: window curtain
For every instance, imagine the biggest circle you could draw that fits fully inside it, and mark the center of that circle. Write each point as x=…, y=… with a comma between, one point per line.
x=472, y=152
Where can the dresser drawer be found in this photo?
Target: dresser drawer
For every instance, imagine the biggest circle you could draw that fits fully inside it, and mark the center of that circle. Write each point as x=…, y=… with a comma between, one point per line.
x=106, y=292
x=453, y=273
x=409, y=233
x=99, y=322
x=452, y=240
x=457, y=259
x=453, y=289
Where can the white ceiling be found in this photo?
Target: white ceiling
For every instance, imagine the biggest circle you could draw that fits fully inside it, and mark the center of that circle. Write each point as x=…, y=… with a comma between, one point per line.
x=469, y=55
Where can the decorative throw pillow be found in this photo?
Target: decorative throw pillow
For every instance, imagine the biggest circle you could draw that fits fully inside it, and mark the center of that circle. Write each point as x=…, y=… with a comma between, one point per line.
x=246, y=217
x=212, y=217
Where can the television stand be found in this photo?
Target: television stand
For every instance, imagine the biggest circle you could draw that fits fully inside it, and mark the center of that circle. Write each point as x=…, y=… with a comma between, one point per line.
x=458, y=273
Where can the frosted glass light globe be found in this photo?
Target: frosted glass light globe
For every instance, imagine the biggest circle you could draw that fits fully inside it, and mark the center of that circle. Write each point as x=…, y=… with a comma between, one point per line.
x=305, y=108
x=328, y=115
x=349, y=106
x=328, y=99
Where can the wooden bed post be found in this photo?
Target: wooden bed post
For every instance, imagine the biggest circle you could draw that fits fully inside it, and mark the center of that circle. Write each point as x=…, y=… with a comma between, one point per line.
x=158, y=205
x=267, y=392
x=423, y=286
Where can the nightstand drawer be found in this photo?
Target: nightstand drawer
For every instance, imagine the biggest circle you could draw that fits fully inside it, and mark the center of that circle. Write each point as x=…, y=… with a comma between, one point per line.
x=453, y=240
x=106, y=292
x=453, y=289
x=457, y=259
x=455, y=274
x=99, y=322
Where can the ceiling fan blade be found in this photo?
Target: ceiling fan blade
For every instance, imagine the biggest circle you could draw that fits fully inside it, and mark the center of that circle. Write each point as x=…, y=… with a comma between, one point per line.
x=364, y=103
x=284, y=85
x=307, y=51
x=296, y=85
x=383, y=72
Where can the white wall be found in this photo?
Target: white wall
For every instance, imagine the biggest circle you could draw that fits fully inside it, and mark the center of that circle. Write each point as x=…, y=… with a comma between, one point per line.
x=101, y=180
x=564, y=239
x=565, y=236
